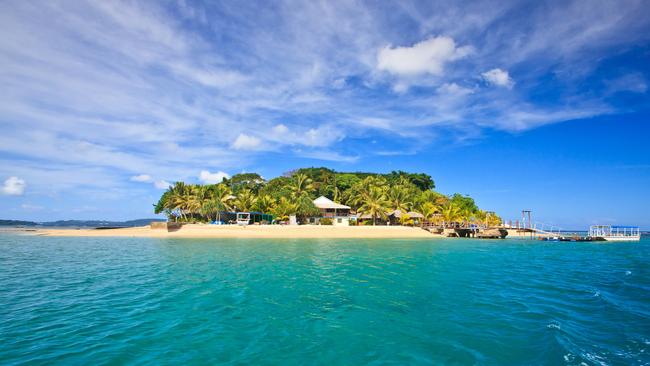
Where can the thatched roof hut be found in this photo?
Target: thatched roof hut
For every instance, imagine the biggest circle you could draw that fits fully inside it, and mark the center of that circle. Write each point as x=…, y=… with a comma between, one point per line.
x=412, y=214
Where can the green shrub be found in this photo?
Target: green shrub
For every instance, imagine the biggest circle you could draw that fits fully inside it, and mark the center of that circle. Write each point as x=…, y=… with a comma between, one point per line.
x=325, y=221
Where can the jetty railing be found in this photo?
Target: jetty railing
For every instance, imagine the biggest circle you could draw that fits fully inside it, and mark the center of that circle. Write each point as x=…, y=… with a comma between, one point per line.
x=614, y=231
x=547, y=228
x=532, y=230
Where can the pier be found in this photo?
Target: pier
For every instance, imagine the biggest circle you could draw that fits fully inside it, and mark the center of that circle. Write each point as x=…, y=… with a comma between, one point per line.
x=526, y=228
x=457, y=230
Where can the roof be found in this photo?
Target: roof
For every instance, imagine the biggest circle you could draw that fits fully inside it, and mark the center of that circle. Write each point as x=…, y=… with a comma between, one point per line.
x=411, y=214
x=614, y=226
x=324, y=202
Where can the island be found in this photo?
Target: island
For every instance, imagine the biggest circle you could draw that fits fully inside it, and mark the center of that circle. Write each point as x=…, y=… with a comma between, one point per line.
x=309, y=203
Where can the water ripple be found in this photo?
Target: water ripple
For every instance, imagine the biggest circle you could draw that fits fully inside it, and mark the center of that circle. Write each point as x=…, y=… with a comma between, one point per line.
x=150, y=301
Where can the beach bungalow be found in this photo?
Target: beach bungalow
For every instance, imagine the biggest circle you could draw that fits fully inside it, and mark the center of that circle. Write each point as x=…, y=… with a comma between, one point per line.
x=367, y=219
x=338, y=213
x=395, y=217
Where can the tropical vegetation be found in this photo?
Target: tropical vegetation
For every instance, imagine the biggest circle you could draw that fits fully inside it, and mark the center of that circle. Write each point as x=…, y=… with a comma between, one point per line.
x=372, y=196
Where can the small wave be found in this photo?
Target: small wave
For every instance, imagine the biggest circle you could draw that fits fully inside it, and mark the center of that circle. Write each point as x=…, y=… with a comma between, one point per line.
x=595, y=359
x=569, y=358
x=627, y=273
x=597, y=294
x=553, y=325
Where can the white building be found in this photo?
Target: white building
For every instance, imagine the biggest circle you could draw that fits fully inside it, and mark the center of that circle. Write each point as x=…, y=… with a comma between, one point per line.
x=340, y=214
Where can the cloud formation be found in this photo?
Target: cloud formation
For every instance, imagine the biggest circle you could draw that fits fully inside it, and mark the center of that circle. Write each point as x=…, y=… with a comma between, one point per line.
x=161, y=184
x=212, y=178
x=498, y=77
x=141, y=178
x=14, y=186
x=109, y=90
x=429, y=56
x=633, y=82
x=246, y=142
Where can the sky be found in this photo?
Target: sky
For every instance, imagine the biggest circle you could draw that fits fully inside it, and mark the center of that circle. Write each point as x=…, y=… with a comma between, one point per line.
x=539, y=105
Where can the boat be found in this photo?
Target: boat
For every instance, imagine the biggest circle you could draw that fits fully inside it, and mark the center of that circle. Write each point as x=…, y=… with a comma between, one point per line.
x=615, y=233
x=243, y=218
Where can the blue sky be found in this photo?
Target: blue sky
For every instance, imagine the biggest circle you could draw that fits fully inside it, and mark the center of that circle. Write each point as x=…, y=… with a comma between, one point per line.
x=539, y=105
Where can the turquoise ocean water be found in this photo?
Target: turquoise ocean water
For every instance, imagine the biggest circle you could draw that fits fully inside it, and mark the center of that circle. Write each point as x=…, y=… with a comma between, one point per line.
x=93, y=301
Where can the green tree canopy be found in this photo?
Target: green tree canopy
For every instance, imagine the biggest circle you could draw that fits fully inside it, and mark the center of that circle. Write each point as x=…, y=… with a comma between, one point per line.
x=293, y=194
x=250, y=181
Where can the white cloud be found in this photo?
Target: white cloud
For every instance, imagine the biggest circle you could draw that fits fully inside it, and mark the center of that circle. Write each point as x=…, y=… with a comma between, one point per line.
x=634, y=83
x=524, y=117
x=427, y=57
x=326, y=155
x=246, y=142
x=146, y=178
x=173, y=100
x=14, y=186
x=453, y=89
x=141, y=178
x=212, y=178
x=374, y=122
x=161, y=184
x=498, y=77
x=280, y=129
x=322, y=136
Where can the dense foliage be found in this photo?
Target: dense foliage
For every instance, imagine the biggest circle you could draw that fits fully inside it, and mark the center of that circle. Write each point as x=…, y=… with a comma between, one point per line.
x=370, y=195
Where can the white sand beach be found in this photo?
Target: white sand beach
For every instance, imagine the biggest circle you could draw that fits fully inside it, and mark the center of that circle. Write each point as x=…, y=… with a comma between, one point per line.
x=251, y=231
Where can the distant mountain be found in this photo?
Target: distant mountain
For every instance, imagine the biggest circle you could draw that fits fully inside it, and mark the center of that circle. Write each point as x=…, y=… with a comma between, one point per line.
x=17, y=223
x=80, y=223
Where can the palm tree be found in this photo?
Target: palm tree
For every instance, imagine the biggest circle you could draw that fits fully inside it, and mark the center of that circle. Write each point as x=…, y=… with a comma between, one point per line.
x=487, y=218
x=265, y=203
x=305, y=207
x=179, y=198
x=373, y=181
x=210, y=200
x=467, y=216
x=162, y=206
x=405, y=220
x=451, y=213
x=222, y=198
x=301, y=185
x=336, y=194
x=400, y=198
x=194, y=200
x=494, y=220
x=245, y=200
x=203, y=200
x=375, y=204
x=428, y=210
x=284, y=208
x=357, y=195
x=434, y=197
x=327, y=183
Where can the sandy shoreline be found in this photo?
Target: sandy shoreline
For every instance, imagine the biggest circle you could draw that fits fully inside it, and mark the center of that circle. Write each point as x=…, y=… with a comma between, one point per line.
x=253, y=231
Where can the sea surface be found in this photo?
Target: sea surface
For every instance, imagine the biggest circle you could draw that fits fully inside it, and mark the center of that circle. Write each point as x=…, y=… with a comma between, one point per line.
x=99, y=301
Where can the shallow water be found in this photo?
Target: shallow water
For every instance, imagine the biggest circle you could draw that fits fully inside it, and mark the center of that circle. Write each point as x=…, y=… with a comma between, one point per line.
x=180, y=301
